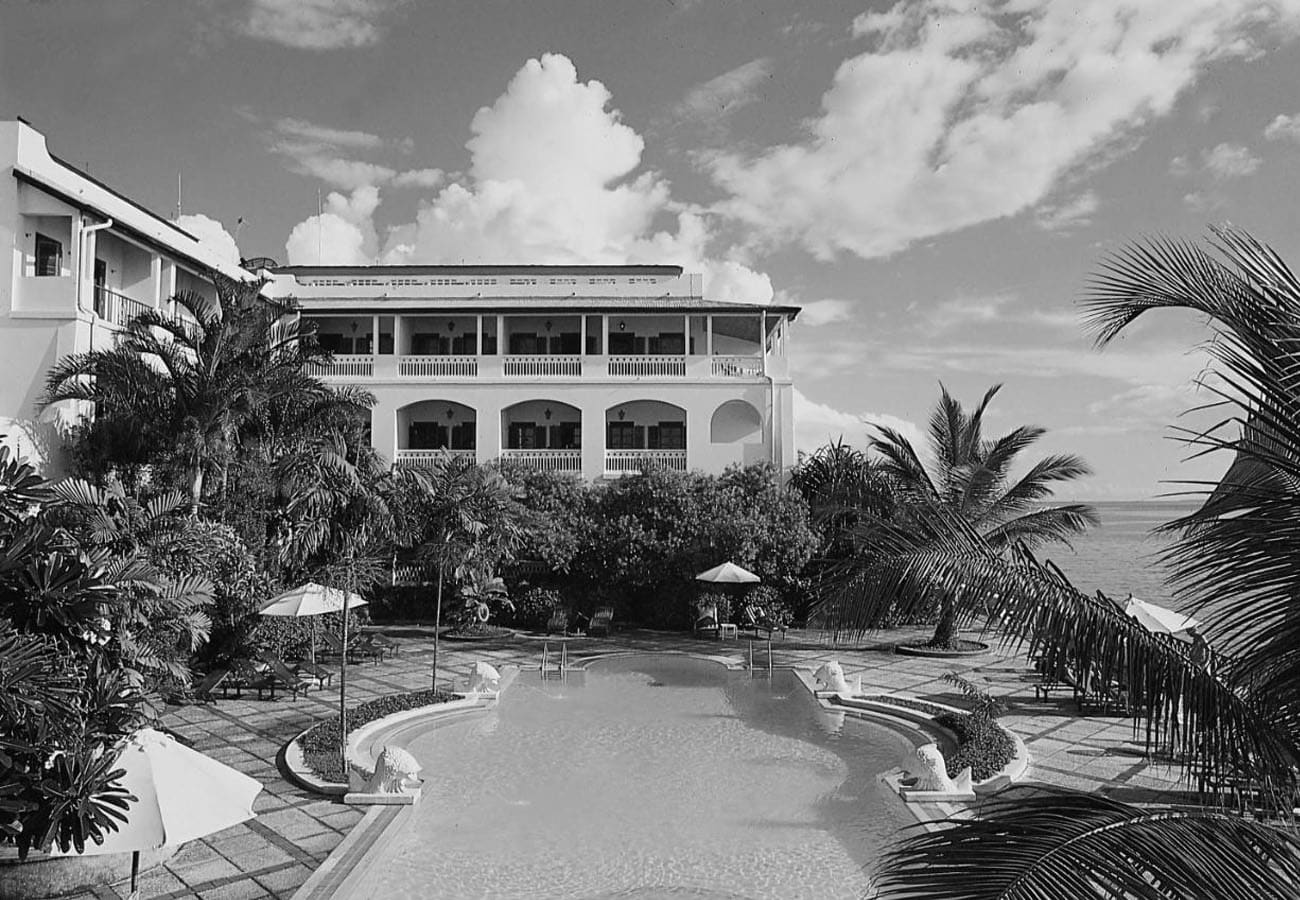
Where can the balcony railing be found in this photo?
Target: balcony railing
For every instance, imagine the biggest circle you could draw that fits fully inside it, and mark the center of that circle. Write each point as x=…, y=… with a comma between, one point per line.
x=623, y=462
x=569, y=461
x=737, y=367
x=117, y=308
x=430, y=457
x=647, y=366
x=345, y=365
x=542, y=366
x=438, y=366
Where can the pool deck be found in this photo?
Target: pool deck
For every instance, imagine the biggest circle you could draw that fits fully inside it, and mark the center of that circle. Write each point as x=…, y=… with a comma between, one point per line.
x=273, y=855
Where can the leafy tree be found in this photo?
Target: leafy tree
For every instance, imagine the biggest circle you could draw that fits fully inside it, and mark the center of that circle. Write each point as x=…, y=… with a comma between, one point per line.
x=176, y=389
x=969, y=479
x=1233, y=558
x=840, y=483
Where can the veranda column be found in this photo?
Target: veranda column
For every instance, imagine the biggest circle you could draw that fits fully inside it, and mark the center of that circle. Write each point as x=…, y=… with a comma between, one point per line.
x=593, y=439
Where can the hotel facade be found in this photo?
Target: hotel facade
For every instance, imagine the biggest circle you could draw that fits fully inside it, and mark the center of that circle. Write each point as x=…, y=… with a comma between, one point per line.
x=590, y=370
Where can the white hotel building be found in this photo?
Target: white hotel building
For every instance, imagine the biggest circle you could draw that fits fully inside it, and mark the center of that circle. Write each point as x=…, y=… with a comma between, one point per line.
x=590, y=370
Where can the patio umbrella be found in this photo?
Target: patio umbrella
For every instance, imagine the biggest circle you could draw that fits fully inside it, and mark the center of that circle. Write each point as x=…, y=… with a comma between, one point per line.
x=181, y=795
x=728, y=573
x=311, y=599
x=1158, y=619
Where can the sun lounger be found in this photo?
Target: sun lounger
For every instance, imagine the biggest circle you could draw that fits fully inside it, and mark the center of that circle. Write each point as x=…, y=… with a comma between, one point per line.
x=356, y=650
x=383, y=642
x=201, y=690
x=282, y=676
x=601, y=620
x=706, y=620
x=305, y=668
x=754, y=619
x=559, y=620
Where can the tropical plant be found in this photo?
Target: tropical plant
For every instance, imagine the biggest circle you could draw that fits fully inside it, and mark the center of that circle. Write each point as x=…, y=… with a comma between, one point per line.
x=841, y=483
x=970, y=480
x=180, y=388
x=458, y=517
x=1234, y=561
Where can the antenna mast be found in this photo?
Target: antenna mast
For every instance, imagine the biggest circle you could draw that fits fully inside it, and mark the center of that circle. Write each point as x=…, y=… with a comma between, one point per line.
x=319, y=226
x=178, y=196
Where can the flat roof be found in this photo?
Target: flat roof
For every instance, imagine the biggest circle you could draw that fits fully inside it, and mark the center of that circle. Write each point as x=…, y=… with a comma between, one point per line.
x=482, y=269
x=439, y=305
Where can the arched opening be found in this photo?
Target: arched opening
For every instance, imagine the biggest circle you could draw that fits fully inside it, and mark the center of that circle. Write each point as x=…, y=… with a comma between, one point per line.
x=430, y=427
x=736, y=422
x=542, y=434
x=641, y=432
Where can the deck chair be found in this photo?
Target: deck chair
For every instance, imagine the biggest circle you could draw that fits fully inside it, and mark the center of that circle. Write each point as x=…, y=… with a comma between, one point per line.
x=706, y=620
x=278, y=672
x=202, y=689
x=383, y=642
x=356, y=650
x=754, y=619
x=305, y=668
x=559, y=620
x=601, y=620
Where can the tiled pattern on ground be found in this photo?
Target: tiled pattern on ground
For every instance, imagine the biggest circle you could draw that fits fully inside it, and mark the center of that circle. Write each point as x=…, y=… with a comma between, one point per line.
x=273, y=854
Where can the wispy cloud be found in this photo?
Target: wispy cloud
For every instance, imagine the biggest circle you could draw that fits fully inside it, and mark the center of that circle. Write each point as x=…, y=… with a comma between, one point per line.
x=319, y=24
x=723, y=95
x=331, y=154
x=967, y=309
x=1230, y=161
x=1068, y=215
x=989, y=108
x=817, y=424
x=821, y=312
x=334, y=137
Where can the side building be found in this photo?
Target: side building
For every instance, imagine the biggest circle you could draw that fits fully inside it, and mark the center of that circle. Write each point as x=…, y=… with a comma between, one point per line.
x=80, y=260
x=589, y=370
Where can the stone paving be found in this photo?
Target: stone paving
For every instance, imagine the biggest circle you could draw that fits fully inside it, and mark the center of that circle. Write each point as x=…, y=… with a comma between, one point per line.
x=272, y=855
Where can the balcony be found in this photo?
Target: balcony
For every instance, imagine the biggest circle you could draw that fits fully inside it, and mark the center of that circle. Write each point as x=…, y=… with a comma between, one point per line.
x=430, y=458
x=345, y=365
x=629, y=462
x=437, y=366
x=116, y=308
x=563, y=461
x=647, y=366
x=736, y=367
x=542, y=366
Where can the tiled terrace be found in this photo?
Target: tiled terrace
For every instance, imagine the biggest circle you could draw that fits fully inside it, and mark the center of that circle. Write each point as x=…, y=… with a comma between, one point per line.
x=273, y=854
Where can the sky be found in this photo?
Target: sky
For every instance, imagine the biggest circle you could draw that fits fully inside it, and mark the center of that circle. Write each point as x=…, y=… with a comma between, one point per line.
x=932, y=182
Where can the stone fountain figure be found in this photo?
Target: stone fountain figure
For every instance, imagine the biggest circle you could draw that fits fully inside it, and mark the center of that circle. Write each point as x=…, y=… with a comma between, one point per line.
x=830, y=677
x=931, y=773
x=396, y=772
x=484, y=678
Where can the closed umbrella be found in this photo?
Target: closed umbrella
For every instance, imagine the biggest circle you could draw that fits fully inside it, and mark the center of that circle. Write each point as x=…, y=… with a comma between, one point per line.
x=181, y=795
x=311, y=599
x=728, y=573
x=1158, y=619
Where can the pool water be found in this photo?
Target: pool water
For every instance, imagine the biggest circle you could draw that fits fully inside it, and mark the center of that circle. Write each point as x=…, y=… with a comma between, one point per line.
x=648, y=776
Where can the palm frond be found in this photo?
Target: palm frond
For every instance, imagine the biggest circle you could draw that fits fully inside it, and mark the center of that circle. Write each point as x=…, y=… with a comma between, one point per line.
x=1067, y=844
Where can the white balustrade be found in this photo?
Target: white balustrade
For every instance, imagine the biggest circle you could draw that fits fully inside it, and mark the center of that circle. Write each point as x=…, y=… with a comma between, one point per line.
x=737, y=366
x=647, y=366
x=539, y=366
x=344, y=365
x=622, y=462
x=117, y=308
x=426, y=458
x=438, y=367
x=569, y=461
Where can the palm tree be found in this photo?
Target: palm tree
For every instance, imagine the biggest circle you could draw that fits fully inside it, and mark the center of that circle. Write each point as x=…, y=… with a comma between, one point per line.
x=970, y=479
x=461, y=517
x=1234, y=559
x=840, y=483
x=188, y=384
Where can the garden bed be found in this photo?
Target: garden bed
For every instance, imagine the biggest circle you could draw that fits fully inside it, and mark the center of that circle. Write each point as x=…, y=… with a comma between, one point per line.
x=483, y=633
x=320, y=743
x=956, y=650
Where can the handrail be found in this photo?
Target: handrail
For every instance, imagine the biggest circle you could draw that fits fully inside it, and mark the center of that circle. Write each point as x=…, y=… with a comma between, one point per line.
x=344, y=365
x=542, y=366
x=411, y=366
x=647, y=366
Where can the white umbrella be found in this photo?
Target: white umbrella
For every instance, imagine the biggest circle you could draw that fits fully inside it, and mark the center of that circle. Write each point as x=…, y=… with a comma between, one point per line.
x=181, y=795
x=728, y=573
x=311, y=599
x=1158, y=619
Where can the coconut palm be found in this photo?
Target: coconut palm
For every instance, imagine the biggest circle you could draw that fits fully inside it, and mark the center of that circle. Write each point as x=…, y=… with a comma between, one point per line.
x=190, y=384
x=970, y=478
x=840, y=483
x=1234, y=560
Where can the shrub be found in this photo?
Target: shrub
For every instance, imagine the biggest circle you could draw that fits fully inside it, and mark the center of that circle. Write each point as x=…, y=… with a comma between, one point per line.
x=716, y=599
x=533, y=608
x=320, y=744
x=770, y=603
x=982, y=744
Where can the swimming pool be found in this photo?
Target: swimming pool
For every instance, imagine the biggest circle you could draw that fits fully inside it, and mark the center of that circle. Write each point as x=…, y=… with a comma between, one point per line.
x=647, y=776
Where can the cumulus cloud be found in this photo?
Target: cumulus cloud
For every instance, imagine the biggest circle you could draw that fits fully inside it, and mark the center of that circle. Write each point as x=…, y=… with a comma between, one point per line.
x=318, y=24
x=987, y=109
x=1284, y=128
x=554, y=178
x=817, y=424
x=342, y=235
x=423, y=178
x=212, y=233
x=724, y=94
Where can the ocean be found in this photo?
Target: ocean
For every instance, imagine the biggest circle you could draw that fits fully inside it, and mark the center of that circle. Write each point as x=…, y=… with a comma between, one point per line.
x=1120, y=556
